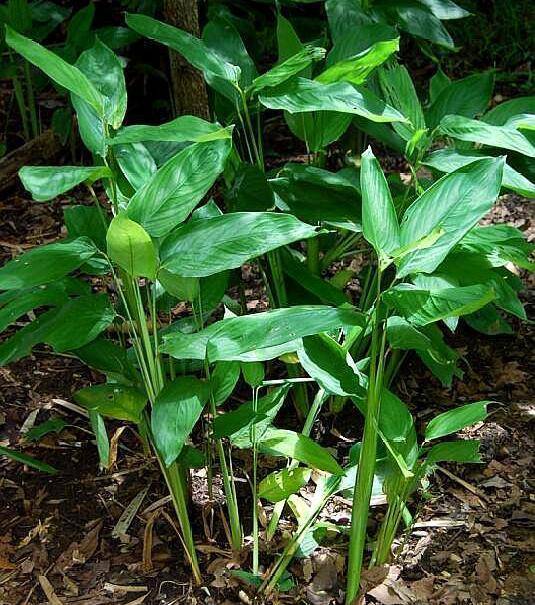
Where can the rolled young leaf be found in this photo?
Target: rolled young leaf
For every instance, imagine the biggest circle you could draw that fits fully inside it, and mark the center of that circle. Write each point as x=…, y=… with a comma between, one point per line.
x=175, y=412
x=131, y=247
x=379, y=220
x=65, y=74
x=47, y=182
x=202, y=248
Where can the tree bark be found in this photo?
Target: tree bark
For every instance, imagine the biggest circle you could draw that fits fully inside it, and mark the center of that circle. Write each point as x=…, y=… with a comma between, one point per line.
x=189, y=89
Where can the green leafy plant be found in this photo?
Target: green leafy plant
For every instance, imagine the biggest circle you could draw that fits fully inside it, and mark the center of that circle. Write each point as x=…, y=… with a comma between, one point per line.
x=157, y=239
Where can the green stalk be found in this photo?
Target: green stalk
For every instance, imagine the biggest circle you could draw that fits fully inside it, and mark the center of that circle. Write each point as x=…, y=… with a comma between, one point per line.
x=313, y=255
x=255, y=489
x=366, y=468
x=31, y=99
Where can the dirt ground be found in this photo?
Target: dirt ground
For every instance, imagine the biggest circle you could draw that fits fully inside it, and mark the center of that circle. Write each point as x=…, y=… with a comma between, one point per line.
x=60, y=542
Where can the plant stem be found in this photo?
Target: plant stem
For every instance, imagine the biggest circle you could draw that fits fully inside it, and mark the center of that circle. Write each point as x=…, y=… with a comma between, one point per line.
x=366, y=467
x=313, y=255
x=31, y=99
x=255, y=495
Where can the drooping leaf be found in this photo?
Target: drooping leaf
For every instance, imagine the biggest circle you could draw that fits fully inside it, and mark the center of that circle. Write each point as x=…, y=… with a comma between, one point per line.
x=180, y=130
x=174, y=414
x=462, y=451
x=296, y=446
x=45, y=264
x=301, y=95
x=454, y=204
x=500, y=114
x=401, y=334
x=223, y=379
x=448, y=160
x=109, y=358
x=252, y=337
x=66, y=75
x=280, y=485
x=113, y=400
x=178, y=186
x=131, y=247
x=47, y=182
x=379, y=221
x=476, y=131
x=253, y=372
x=282, y=72
x=202, y=248
x=423, y=307
x=454, y=420
x=79, y=321
x=194, y=50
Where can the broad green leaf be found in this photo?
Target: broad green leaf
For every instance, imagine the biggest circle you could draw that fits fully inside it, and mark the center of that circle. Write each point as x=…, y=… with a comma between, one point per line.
x=301, y=95
x=423, y=307
x=503, y=112
x=437, y=84
x=237, y=423
x=109, y=358
x=105, y=71
x=180, y=130
x=27, y=460
x=454, y=204
x=454, y=420
x=446, y=9
x=235, y=337
x=448, y=160
x=131, y=247
x=326, y=361
x=441, y=359
x=54, y=294
x=63, y=73
x=357, y=69
x=464, y=451
x=403, y=335
x=202, y=248
x=284, y=71
x=419, y=21
x=251, y=191
x=101, y=436
x=280, y=485
x=174, y=414
x=45, y=264
x=21, y=343
x=92, y=223
x=136, y=163
x=47, y=182
x=304, y=190
x=221, y=36
x=79, y=322
x=194, y=50
x=344, y=16
x=476, y=131
x=253, y=373
x=178, y=186
x=360, y=39
x=500, y=244
x=398, y=90
x=379, y=221
x=468, y=97
x=488, y=321
x=183, y=288
x=113, y=400
x=223, y=379
x=296, y=446
x=90, y=126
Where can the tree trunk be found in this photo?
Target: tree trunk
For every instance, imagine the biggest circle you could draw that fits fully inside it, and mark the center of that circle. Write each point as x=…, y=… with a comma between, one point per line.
x=189, y=90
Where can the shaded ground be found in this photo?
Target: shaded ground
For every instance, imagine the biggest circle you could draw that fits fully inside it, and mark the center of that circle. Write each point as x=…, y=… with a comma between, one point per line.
x=473, y=542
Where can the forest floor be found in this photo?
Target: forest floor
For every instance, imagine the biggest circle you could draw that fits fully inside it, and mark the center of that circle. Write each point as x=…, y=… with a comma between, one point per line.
x=473, y=541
